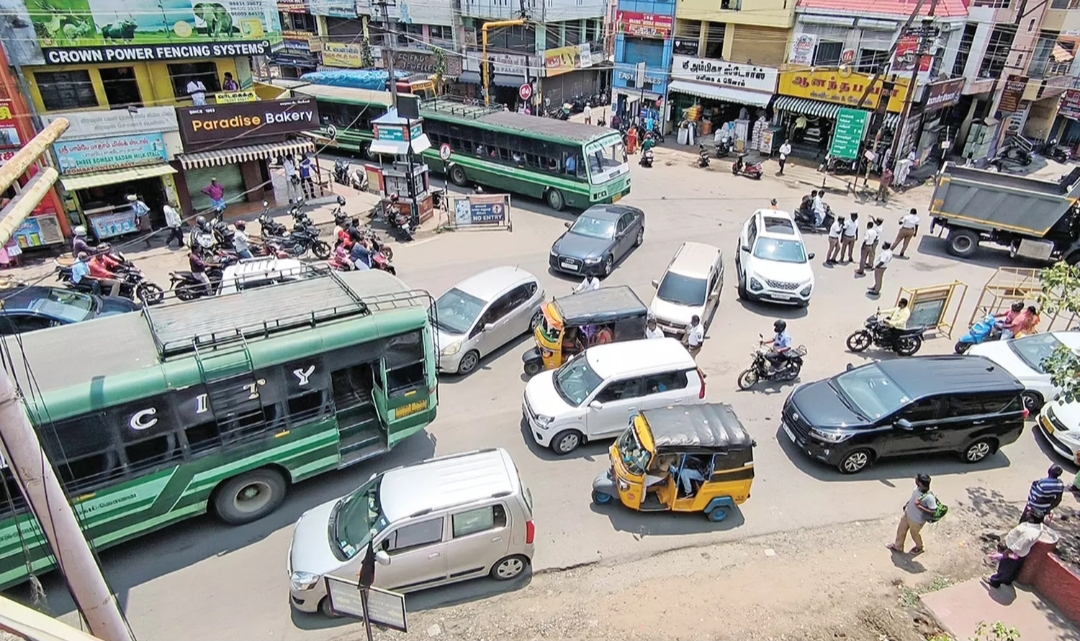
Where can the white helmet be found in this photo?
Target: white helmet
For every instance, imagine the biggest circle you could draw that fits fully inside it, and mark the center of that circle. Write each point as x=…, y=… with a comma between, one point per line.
x=80, y=231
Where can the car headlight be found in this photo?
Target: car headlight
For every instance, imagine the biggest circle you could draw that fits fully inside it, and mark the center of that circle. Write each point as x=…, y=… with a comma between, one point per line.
x=553, y=252
x=544, y=421
x=591, y=261
x=805, y=291
x=756, y=285
x=303, y=580
x=829, y=437
x=451, y=349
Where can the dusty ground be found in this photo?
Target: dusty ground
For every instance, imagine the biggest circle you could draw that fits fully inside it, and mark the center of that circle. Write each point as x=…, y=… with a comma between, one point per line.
x=1067, y=524
x=836, y=582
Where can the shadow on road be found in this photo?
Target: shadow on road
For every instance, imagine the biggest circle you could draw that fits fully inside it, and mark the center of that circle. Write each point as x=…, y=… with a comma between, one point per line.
x=991, y=256
x=646, y=524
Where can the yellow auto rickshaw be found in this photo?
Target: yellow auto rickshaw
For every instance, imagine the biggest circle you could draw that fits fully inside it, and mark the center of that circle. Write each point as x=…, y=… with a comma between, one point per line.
x=690, y=458
x=578, y=321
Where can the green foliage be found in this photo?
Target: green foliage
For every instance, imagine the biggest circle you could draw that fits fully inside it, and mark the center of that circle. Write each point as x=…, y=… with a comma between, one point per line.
x=440, y=69
x=1061, y=295
x=367, y=61
x=997, y=631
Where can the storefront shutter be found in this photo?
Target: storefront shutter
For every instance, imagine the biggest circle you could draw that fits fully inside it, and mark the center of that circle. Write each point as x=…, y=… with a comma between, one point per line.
x=229, y=176
x=763, y=45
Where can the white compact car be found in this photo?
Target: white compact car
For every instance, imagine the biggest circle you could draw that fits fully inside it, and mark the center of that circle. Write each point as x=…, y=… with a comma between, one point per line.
x=1023, y=358
x=771, y=260
x=1060, y=423
x=484, y=312
x=690, y=287
x=594, y=394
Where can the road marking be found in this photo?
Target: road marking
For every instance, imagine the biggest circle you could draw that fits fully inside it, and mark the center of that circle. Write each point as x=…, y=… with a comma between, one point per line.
x=417, y=243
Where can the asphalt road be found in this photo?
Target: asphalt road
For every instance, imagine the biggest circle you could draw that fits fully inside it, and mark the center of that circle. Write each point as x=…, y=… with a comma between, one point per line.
x=201, y=579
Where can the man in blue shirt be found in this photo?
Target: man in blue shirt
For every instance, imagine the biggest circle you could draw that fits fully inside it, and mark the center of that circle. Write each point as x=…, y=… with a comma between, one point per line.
x=80, y=269
x=306, y=178
x=780, y=343
x=361, y=255
x=571, y=165
x=1045, y=493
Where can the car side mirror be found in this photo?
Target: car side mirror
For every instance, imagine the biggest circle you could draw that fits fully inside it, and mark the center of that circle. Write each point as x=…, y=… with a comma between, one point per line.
x=656, y=284
x=382, y=558
x=488, y=327
x=809, y=257
x=904, y=424
x=596, y=405
x=567, y=223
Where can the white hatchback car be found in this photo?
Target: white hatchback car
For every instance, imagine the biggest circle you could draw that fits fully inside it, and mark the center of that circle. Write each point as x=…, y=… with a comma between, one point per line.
x=484, y=312
x=594, y=394
x=1023, y=358
x=1060, y=423
x=771, y=260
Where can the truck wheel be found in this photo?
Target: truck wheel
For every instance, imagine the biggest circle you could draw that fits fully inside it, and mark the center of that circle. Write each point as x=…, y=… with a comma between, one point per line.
x=963, y=243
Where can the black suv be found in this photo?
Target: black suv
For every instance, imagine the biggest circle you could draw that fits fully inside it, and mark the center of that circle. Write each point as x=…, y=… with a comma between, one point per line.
x=962, y=404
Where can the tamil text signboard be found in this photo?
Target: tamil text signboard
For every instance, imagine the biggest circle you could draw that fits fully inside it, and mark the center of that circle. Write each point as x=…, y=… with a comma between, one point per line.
x=105, y=154
x=346, y=56
x=566, y=59
x=844, y=88
x=718, y=72
x=645, y=25
x=244, y=121
x=1013, y=93
x=802, y=49
x=1070, y=105
x=115, y=122
x=848, y=134
x=103, y=31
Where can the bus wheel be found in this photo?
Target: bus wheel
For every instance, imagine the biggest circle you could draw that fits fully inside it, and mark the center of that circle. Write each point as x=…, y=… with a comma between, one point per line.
x=458, y=177
x=369, y=154
x=250, y=496
x=555, y=200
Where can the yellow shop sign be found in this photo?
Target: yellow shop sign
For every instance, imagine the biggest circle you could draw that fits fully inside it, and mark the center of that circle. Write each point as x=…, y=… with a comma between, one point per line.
x=841, y=87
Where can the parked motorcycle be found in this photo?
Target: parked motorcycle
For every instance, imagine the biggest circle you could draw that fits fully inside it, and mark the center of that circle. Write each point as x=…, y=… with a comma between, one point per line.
x=904, y=342
x=723, y=147
x=1054, y=151
x=304, y=237
x=1014, y=155
x=748, y=165
x=703, y=156
x=762, y=370
x=341, y=171
x=133, y=284
x=268, y=226
x=646, y=158
x=982, y=331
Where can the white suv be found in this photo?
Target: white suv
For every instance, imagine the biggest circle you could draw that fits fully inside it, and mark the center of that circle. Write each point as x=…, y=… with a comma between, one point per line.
x=771, y=262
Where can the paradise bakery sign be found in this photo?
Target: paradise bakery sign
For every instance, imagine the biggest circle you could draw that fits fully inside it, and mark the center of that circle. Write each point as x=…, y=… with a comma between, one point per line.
x=244, y=121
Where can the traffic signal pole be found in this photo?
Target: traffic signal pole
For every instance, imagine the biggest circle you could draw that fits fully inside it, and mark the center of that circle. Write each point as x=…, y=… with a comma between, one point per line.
x=19, y=442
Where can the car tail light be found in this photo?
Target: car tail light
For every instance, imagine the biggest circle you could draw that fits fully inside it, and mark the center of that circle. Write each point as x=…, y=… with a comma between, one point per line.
x=1025, y=413
x=701, y=377
x=530, y=532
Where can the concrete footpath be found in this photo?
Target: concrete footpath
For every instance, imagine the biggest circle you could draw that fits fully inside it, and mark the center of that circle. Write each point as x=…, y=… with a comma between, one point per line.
x=959, y=609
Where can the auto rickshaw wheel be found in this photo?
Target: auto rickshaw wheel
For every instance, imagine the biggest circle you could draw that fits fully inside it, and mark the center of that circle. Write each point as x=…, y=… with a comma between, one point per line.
x=532, y=368
x=718, y=514
x=601, y=498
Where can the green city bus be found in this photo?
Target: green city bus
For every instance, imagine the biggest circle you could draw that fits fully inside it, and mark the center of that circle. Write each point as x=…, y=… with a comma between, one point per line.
x=567, y=164
x=218, y=404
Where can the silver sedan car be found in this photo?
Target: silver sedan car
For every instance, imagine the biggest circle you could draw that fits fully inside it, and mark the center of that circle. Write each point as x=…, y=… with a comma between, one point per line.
x=484, y=312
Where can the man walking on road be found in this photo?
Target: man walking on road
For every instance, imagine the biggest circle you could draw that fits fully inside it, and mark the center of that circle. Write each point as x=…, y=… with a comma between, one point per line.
x=1045, y=493
x=588, y=113
x=785, y=151
x=917, y=511
x=909, y=227
x=881, y=262
x=173, y=222
x=868, y=248
x=694, y=337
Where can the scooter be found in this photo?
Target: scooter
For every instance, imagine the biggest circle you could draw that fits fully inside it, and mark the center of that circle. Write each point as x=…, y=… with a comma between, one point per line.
x=401, y=225
x=751, y=168
x=703, y=156
x=646, y=158
x=982, y=331
x=723, y=147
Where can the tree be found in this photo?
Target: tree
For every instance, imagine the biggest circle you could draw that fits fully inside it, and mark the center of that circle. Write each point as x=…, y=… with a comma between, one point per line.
x=367, y=61
x=1061, y=293
x=440, y=70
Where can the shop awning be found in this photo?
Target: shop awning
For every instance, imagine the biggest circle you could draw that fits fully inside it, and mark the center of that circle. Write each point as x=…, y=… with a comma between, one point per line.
x=1061, y=54
x=718, y=92
x=235, y=155
x=85, y=181
x=821, y=109
x=499, y=79
x=400, y=147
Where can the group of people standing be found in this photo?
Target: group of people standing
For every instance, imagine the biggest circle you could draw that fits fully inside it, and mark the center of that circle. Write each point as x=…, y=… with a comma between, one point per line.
x=844, y=234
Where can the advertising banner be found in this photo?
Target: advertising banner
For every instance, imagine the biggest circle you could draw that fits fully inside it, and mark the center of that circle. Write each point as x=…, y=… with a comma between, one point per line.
x=907, y=51
x=1013, y=93
x=1070, y=105
x=116, y=224
x=645, y=25
x=845, y=88
x=213, y=123
x=425, y=63
x=945, y=93
x=482, y=209
x=105, y=154
x=508, y=64
x=38, y=231
x=802, y=49
x=229, y=97
x=564, y=60
x=95, y=31
x=9, y=134
x=292, y=6
x=338, y=54
x=718, y=72
x=116, y=122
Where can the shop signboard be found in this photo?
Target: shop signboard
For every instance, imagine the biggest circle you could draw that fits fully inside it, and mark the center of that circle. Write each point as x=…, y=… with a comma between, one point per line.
x=907, y=51
x=802, y=49
x=566, y=59
x=425, y=63
x=718, y=72
x=504, y=63
x=848, y=133
x=39, y=230
x=106, y=154
x=115, y=224
x=944, y=93
x=116, y=122
x=9, y=133
x=291, y=6
x=383, y=607
x=645, y=25
x=106, y=31
x=246, y=120
x=339, y=54
x=840, y=87
x=1070, y=105
x=482, y=209
x=332, y=8
x=229, y=97
x=1013, y=93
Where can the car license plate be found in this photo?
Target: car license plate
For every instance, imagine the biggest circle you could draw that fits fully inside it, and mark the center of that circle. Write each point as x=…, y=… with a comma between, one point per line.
x=568, y=265
x=781, y=297
x=411, y=408
x=787, y=430
x=1046, y=425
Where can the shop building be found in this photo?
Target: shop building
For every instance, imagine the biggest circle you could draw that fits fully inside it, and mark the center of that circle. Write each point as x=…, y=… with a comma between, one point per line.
x=754, y=32
x=506, y=74
x=706, y=94
x=643, y=31
x=299, y=50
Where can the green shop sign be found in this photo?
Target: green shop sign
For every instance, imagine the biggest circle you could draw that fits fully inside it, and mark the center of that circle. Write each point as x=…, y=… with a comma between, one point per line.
x=848, y=134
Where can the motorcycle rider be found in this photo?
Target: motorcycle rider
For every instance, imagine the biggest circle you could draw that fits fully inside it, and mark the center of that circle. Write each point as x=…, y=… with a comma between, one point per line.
x=241, y=243
x=80, y=270
x=360, y=254
x=819, y=207
x=198, y=268
x=779, y=345
x=896, y=319
x=79, y=244
x=102, y=270
x=201, y=227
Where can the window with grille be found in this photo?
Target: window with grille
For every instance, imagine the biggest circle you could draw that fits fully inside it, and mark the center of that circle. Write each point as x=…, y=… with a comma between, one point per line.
x=714, y=40
x=963, y=51
x=870, y=60
x=827, y=54
x=66, y=90
x=997, y=50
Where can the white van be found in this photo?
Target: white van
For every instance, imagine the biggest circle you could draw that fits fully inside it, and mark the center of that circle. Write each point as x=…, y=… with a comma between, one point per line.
x=690, y=287
x=440, y=521
x=594, y=394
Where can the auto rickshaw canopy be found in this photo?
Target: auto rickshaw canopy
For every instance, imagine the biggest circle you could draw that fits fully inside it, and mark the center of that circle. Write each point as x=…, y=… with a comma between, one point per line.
x=599, y=306
x=696, y=428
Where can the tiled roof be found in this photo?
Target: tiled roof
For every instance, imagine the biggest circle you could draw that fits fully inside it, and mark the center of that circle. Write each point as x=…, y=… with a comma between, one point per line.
x=945, y=8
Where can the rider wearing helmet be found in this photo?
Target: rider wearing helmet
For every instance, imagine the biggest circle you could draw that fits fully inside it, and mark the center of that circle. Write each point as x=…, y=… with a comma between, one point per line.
x=79, y=244
x=780, y=343
x=241, y=243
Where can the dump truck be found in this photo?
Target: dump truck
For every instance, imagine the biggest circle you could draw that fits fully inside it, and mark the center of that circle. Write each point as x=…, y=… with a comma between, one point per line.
x=1036, y=219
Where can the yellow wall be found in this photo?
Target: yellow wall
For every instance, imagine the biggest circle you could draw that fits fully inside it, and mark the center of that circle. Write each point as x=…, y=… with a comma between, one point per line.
x=765, y=13
x=152, y=78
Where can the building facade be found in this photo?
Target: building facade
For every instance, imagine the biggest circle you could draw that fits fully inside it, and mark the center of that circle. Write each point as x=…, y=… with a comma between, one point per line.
x=643, y=34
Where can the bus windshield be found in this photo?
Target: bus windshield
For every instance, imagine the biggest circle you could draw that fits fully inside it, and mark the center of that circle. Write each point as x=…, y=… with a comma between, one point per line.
x=605, y=160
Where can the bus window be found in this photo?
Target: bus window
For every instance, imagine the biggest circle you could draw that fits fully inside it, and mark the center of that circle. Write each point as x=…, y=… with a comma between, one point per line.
x=404, y=362
x=307, y=406
x=83, y=450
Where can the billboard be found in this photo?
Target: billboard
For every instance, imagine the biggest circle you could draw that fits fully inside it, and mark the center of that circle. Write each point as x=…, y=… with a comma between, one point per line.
x=103, y=31
x=243, y=121
x=106, y=154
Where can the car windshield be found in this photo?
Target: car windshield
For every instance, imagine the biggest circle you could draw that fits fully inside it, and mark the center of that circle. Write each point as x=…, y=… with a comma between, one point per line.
x=455, y=311
x=1035, y=349
x=594, y=227
x=604, y=159
x=634, y=456
x=871, y=391
x=682, y=290
x=69, y=306
x=575, y=380
x=357, y=518
x=784, y=251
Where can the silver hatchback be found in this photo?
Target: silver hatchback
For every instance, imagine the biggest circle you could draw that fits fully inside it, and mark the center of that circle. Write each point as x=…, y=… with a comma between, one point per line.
x=484, y=312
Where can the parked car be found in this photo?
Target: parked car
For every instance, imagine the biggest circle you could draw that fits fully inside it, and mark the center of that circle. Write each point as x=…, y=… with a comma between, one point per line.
x=690, y=287
x=920, y=405
x=599, y=238
x=484, y=312
x=1023, y=358
x=1059, y=423
x=594, y=394
x=441, y=521
x=771, y=260
x=26, y=309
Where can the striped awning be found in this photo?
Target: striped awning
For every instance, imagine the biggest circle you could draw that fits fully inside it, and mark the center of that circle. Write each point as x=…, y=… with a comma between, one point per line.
x=219, y=157
x=820, y=109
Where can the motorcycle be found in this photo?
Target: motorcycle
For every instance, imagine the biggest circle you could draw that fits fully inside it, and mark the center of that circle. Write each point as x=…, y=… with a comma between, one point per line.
x=904, y=342
x=703, y=156
x=341, y=171
x=723, y=147
x=805, y=218
x=303, y=238
x=267, y=225
x=762, y=370
x=1055, y=152
x=748, y=166
x=401, y=225
x=187, y=287
x=133, y=284
x=646, y=158
x=982, y=331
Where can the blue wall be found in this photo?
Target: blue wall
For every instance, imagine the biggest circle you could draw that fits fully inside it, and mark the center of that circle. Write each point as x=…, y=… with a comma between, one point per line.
x=655, y=52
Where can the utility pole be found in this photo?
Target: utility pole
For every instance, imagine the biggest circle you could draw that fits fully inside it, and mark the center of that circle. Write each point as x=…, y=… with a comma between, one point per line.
x=388, y=49
x=19, y=441
x=926, y=35
x=484, y=54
